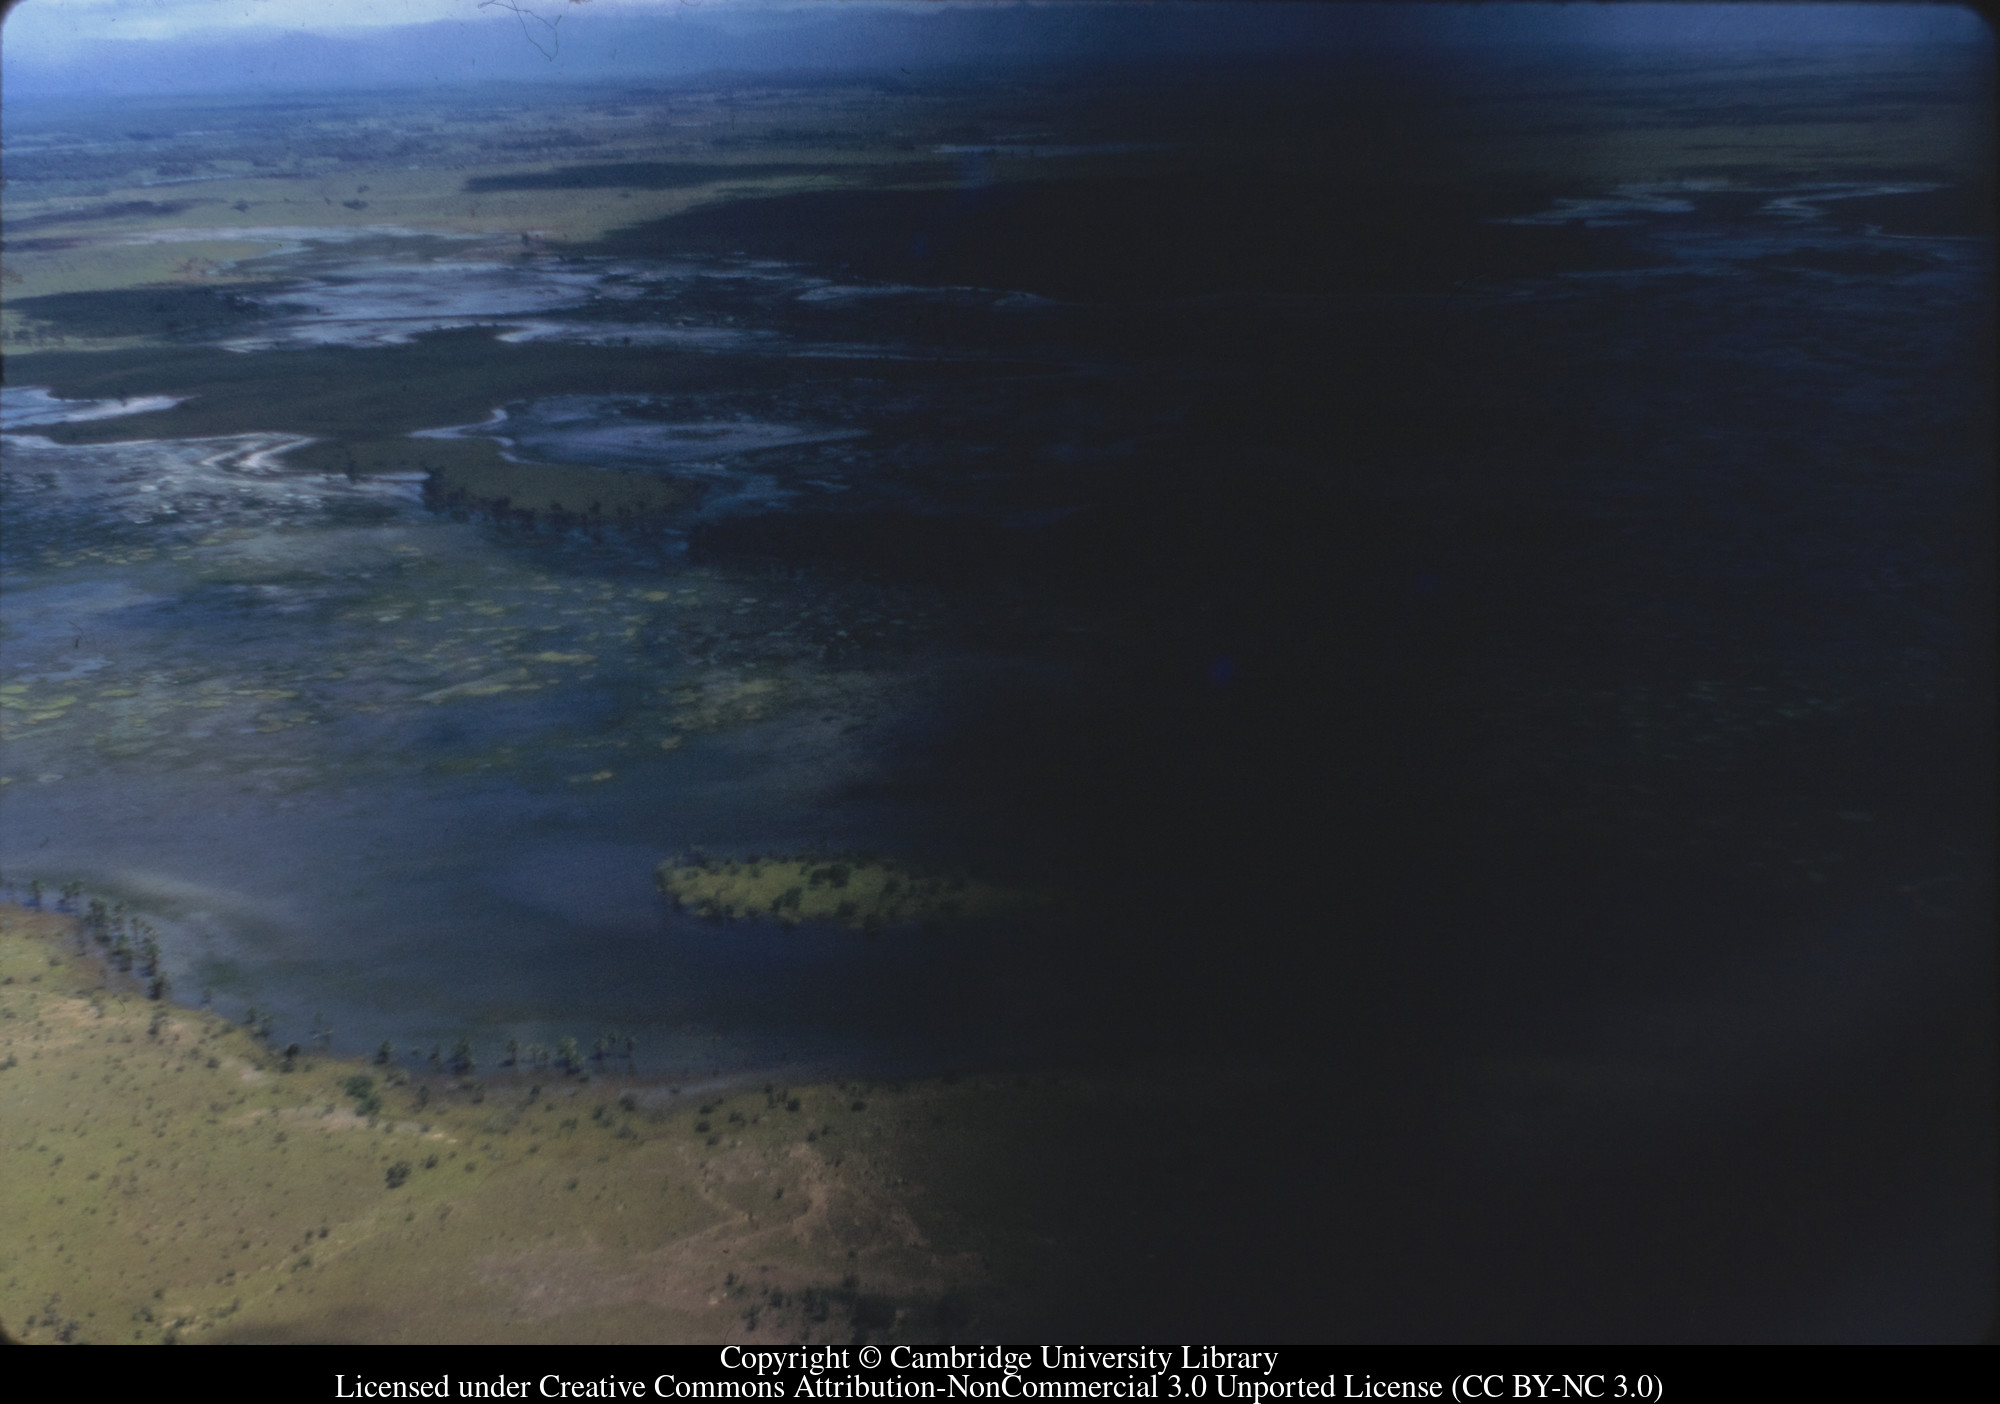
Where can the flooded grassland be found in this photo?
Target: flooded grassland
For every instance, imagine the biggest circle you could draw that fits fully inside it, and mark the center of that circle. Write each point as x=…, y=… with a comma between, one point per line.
x=499, y=620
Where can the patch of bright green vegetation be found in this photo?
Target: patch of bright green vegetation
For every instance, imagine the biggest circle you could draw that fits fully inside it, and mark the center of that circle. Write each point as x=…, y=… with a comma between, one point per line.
x=854, y=890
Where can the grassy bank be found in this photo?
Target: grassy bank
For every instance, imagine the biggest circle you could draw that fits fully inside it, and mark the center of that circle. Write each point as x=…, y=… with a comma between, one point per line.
x=165, y=1176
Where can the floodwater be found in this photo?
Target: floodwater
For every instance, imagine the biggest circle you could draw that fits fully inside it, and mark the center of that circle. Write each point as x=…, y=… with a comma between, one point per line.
x=370, y=763
x=372, y=770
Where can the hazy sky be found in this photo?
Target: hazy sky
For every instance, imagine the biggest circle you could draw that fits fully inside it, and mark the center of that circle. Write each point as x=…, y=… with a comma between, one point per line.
x=90, y=47
x=159, y=19
x=156, y=19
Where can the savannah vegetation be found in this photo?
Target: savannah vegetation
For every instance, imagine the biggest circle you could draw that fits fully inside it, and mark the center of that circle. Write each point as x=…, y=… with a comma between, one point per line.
x=168, y=1175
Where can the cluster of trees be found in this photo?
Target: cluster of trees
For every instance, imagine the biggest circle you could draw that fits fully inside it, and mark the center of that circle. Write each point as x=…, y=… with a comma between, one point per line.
x=367, y=1101
x=857, y=890
x=461, y=505
x=865, y=1311
x=131, y=945
x=12, y=892
x=567, y=1055
x=129, y=942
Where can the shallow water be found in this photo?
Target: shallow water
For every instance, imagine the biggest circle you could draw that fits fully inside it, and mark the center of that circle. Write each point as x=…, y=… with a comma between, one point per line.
x=363, y=761
x=413, y=775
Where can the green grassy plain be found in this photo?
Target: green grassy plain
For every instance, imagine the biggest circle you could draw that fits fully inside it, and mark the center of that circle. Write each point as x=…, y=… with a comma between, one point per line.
x=165, y=1176
x=120, y=234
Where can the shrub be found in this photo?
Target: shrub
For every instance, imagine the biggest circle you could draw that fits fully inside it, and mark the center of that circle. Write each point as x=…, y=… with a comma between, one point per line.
x=873, y=1313
x=396, y=1174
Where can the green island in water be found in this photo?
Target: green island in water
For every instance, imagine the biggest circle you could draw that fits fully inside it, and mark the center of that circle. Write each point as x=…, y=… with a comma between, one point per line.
x=859, y=891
